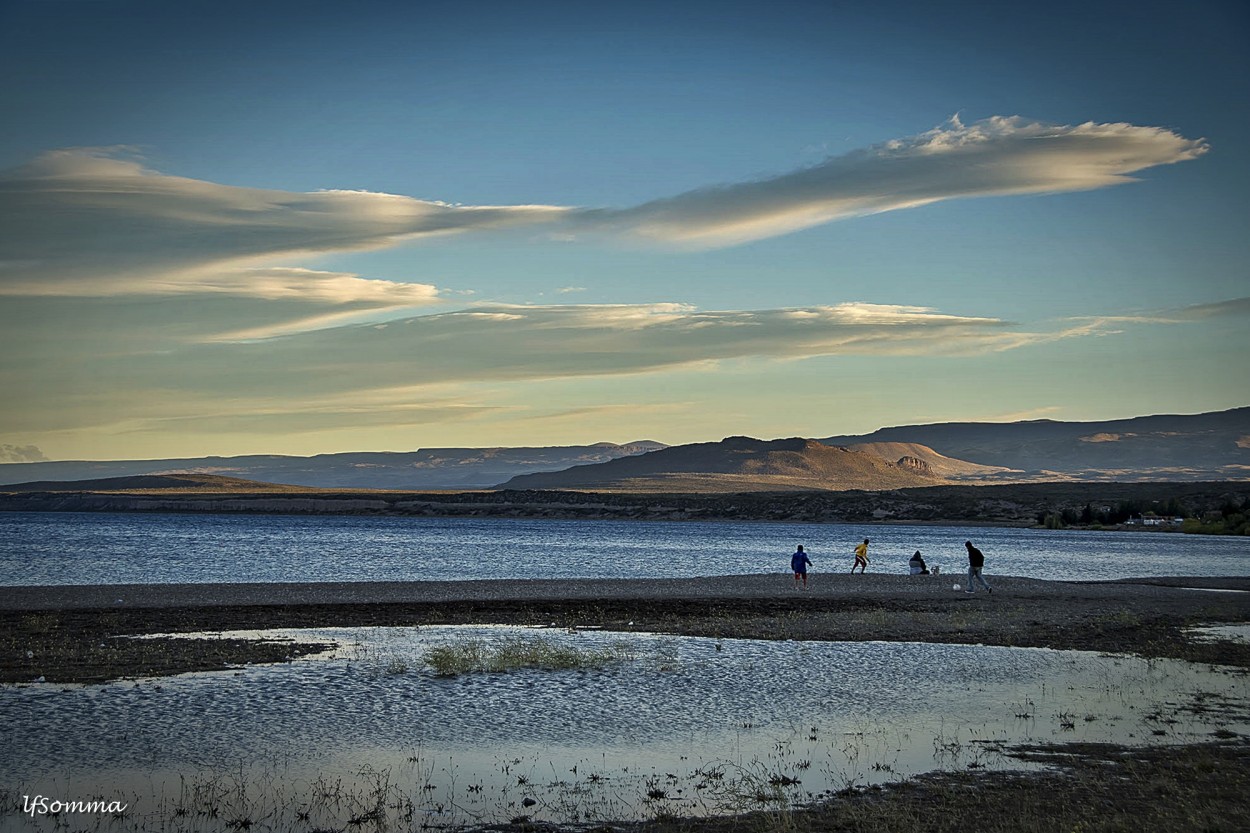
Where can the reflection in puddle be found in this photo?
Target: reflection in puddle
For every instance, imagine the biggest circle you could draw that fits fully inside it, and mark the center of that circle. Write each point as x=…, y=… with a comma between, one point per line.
x=1236, y=633
x=681, y=726
x=1214, y=589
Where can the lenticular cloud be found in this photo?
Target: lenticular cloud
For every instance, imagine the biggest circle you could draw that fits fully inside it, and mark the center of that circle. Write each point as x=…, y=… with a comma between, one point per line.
x=995, y=157
x=84, y=222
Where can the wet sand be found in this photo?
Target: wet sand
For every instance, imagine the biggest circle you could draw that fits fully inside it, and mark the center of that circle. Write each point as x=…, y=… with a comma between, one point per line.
x=76, y=633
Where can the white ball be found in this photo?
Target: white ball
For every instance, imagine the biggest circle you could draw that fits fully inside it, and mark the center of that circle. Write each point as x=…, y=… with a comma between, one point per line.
x=956, y=587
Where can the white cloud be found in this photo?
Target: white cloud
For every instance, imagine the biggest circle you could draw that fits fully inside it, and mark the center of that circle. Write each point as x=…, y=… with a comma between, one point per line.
x=85, y=222
x=339, y=297
x=308, y=285
x=511, y=343
x=415, y=370
x=994, y=157
x=116, y=370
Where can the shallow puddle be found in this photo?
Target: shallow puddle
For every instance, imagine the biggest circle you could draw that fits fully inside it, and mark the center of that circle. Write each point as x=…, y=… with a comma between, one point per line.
x=1234, y=633
x=677, y=725
x=1214, y=590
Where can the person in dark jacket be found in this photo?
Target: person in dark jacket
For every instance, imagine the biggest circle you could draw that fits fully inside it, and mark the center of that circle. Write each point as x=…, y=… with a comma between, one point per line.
x=798, y=564
x=975, y=562
x=917, y=566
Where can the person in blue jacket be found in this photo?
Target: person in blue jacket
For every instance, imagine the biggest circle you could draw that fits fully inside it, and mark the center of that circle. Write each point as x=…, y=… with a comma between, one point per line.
x=798, y=563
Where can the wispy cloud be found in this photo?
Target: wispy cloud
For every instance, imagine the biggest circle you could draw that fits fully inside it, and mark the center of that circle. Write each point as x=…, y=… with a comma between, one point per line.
x=545, y=341
x=334, y=297
x=1044, y=412
x=20, y=454
x=105, y=369
x=174, y=371
x=995, y=157
x=89, y=223
x=1231, y=308
x=85, y=222
x=532, y=342
x=132, y=296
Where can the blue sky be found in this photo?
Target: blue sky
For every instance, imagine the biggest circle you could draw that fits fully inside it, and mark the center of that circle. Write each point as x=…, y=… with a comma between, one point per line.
x=314, y=227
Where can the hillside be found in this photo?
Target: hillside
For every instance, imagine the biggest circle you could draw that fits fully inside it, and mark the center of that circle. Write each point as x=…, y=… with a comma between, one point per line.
x=430, y=468
x=163, y=483
x=939, y=464
x=1212, y=446
x=739, y=464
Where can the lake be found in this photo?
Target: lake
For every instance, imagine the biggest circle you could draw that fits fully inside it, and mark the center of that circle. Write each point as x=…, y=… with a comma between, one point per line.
x=124, y=548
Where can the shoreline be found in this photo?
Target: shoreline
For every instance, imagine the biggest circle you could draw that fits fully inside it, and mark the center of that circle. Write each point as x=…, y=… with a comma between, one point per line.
x=73, y=638
x=991, y=504
x=78, y=633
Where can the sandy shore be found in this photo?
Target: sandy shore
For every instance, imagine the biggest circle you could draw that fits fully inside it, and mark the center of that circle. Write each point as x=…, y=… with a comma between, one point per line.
x=75, y=633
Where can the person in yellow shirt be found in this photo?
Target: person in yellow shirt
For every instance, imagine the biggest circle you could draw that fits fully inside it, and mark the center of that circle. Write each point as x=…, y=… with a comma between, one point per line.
x=861, y=557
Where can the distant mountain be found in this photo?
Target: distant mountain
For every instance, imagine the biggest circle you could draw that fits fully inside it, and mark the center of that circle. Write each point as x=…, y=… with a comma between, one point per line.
x=740, y=464
x=1211, y=446
x=198, y=483
x=431, y=468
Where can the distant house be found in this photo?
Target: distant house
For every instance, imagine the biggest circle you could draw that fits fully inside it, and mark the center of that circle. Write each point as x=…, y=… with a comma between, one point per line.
x=1151, y=519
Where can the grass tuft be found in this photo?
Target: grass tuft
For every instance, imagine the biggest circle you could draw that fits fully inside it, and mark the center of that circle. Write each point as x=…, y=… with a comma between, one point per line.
x=477, y=656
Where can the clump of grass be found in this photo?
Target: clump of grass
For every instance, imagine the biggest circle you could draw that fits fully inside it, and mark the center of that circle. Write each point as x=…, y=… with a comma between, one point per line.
x=1119, y=619
x=42, y=623
x=477, y=656
x=875, y=618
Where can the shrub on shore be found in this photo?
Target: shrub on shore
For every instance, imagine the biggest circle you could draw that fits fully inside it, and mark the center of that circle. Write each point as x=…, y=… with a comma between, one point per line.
x=477, y=656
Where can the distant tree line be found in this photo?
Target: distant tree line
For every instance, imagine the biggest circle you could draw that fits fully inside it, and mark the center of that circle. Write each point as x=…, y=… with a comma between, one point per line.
x=1230, y=517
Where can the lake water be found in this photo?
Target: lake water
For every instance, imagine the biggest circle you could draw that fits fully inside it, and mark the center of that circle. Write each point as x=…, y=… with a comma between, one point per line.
x=122, y=548
x=683, y=725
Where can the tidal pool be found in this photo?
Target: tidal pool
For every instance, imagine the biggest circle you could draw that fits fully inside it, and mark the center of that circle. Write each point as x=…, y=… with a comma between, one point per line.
x=679, y=725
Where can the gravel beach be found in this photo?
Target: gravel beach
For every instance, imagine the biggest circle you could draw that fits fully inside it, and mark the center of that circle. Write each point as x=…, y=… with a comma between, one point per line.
x=1167, y=591
x=77, y=633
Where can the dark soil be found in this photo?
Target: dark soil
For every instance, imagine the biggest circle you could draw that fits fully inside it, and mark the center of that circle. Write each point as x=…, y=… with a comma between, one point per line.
x=1095, y=789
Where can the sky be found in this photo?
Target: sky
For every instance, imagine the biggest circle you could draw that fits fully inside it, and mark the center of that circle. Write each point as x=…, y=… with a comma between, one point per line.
x=310, y=227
